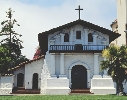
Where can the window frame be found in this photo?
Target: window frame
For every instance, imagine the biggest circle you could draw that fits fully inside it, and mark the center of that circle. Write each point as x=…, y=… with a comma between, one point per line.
x=66, y=37
x=90, y=37
x=78, y=35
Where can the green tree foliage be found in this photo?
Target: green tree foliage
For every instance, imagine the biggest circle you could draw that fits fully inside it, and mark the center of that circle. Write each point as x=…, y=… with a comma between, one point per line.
x=115, y=60
x=12, y=43
x=4, y=59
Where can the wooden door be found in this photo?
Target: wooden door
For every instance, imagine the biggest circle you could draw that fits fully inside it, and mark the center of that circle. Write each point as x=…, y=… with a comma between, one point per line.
x=20, y=79
x=79, y=77
x=35, y=81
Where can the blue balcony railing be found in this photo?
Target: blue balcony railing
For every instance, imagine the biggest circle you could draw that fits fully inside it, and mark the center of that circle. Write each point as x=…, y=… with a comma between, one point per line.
x=77, y=47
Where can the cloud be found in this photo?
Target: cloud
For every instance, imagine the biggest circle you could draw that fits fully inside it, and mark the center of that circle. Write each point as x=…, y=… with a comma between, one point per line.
x=35, y=18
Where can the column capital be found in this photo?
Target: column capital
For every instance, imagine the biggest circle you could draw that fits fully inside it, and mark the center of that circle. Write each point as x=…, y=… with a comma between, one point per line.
x=52, y=40
x=96, y=54
x=86, y=30
x=62, y=53
x=52, y=53
x=62, y=34
x=88, y=70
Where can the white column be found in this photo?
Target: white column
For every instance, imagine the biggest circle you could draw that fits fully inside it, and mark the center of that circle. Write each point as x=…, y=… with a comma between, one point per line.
x=71, y=36
x=96, y=64
x=88, y=79
x=86, y=36
x=95, y=47
x=95, y=39
x=53, y=65
x=52, y=42
x=69, y=78
x=62, y=67
x=62, y=38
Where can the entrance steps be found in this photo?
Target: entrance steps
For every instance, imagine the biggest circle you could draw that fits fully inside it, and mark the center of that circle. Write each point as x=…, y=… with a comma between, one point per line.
x=80, y=91
x=22, y=90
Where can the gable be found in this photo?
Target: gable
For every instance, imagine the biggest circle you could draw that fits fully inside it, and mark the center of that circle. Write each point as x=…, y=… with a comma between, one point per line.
x=43, y=37
x=76, y=35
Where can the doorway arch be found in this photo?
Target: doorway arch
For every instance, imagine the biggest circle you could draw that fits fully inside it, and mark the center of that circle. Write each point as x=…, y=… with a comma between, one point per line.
x=20, y=79
x=35, y=81
x=79, y=77
x=87, y=69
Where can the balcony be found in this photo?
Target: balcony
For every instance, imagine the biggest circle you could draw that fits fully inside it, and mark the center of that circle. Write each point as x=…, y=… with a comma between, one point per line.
x=78, y=48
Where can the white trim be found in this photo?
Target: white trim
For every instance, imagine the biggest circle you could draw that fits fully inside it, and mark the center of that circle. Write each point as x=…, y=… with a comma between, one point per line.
x=79, y=63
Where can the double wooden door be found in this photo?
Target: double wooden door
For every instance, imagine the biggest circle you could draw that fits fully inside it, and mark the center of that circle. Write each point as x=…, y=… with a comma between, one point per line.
x=79, y=77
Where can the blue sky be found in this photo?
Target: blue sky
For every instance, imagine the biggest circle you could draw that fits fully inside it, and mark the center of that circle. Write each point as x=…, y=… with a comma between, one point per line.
x=44, y=3
x=36, y=16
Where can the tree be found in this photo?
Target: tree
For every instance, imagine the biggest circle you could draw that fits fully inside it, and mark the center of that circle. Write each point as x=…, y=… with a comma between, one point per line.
x=12, y=43
x=116, y=63
x=4, y=59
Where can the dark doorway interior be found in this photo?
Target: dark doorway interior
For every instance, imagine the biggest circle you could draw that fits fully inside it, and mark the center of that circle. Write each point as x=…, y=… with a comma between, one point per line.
x=35, y=81
x=79, y=77
x=78, y=47
x=20, y=79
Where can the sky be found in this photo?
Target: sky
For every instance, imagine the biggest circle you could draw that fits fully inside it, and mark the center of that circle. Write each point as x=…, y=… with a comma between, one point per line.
x=37, y=16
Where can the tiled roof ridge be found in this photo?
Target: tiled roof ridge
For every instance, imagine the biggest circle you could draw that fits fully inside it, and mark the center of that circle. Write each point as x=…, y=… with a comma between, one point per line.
x=26, y=62
x=6, y=74
x=74, y=22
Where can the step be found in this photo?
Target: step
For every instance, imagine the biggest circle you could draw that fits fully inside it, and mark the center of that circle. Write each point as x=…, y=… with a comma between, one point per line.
x=81, y=91
x=26, y=91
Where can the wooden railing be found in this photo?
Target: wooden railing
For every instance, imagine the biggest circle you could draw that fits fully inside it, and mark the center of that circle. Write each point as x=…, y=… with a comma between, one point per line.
x=77, y=47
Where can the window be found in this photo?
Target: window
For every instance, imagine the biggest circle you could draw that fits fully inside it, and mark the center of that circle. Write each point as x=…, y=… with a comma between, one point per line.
x=90, y=37
x=78, y=34
x=66, y=37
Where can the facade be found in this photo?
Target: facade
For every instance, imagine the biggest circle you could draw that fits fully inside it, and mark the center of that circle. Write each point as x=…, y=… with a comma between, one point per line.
x=71, y=59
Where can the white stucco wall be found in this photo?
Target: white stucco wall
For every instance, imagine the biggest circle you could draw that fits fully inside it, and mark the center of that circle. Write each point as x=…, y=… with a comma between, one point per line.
x=70, y=59
x=72, y=37
x=122, y=20
x=16, y=72
x=30, y=69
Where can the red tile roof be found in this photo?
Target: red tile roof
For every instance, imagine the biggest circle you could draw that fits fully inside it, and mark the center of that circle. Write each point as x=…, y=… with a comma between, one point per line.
x=27, y=62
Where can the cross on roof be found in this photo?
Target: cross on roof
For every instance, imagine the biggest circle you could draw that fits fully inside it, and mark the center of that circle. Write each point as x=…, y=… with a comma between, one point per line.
x=79, y=10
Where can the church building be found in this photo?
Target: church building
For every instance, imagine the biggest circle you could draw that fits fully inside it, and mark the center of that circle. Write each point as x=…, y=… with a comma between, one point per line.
x=71, y=56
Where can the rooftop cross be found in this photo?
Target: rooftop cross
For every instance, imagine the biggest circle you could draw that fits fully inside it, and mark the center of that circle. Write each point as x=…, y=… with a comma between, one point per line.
x=79, y=10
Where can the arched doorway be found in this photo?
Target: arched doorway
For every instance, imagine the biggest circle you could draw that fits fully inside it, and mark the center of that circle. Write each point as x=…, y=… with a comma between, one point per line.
x=79, y=77
x=20, y=79
x=35, y=81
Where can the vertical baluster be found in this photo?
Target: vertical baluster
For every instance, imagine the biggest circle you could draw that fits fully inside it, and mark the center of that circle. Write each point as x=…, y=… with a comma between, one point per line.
x=50, y=47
